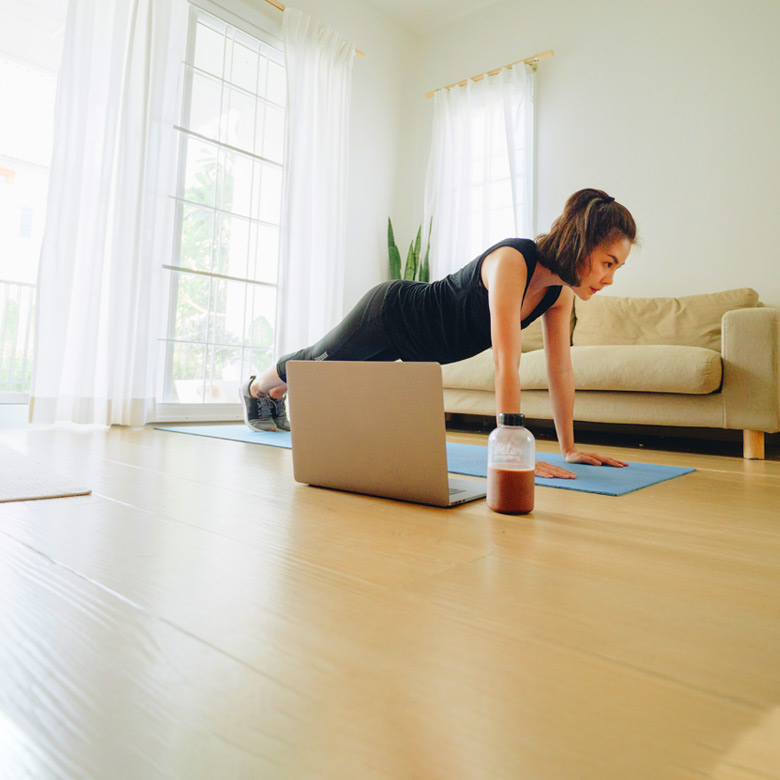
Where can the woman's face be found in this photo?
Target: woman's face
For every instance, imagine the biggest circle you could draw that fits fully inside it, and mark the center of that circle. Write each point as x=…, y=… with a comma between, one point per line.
x=599, y=269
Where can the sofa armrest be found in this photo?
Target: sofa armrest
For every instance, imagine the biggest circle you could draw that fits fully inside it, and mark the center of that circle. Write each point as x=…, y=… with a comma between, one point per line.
x=750, y=345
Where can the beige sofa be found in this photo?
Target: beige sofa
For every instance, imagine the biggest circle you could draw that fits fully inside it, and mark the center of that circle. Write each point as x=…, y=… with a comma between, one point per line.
x=710, y=361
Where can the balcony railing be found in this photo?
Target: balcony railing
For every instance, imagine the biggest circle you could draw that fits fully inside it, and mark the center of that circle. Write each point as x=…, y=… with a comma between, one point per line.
x=17, y=322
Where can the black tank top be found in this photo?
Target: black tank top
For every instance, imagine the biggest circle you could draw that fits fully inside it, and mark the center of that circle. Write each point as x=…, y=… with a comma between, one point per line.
x=449, y=320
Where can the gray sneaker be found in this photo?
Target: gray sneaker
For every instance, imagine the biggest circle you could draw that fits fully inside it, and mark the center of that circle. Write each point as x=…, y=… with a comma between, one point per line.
x=265, y=415
x=258, y=412
x=280, y=414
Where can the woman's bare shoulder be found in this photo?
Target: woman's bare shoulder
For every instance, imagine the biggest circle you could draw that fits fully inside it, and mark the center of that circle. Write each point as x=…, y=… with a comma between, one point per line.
x=504, y=261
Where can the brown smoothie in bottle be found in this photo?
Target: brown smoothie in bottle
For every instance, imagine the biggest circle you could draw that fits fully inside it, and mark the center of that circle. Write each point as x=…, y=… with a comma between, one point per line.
x=510, y=491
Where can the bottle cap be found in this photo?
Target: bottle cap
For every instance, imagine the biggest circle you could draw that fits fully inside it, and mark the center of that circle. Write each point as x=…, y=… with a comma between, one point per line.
x=515, y=420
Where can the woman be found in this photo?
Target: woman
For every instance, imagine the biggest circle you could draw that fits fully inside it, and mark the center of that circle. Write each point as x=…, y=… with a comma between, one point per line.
x=481, y=306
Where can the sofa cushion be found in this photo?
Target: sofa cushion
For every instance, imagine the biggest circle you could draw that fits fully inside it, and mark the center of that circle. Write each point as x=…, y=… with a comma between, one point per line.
x=532, y=338
x=647, y=369
x=694, y=320
x=475, y=373
x=644, y=369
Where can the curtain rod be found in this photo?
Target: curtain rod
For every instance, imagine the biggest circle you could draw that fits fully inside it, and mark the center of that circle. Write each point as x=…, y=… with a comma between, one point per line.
x=527, y=61
x=281, y=7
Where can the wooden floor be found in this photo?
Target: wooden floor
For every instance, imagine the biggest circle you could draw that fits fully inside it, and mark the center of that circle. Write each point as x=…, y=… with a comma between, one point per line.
x=203, y=616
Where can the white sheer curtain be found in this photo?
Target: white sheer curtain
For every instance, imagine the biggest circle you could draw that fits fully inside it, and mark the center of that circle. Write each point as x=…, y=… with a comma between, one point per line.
x=311, y=275
x=112, y=171
x=480, y=177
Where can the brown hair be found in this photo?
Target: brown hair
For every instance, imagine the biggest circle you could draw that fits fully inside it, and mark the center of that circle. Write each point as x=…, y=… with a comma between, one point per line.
x=589, y=218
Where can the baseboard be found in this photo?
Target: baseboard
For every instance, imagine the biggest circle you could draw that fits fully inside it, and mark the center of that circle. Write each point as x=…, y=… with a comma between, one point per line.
x=179, y=413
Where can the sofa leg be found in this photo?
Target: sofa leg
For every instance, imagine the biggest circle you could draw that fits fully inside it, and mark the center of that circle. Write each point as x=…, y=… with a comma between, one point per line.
x=753, y=445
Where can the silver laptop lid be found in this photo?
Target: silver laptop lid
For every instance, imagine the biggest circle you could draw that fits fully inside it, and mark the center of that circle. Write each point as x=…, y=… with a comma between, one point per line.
x=373, y=427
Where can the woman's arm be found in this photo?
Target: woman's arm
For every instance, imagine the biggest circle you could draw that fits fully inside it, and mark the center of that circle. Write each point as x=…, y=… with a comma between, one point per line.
x=505, y=275
x=556, y=323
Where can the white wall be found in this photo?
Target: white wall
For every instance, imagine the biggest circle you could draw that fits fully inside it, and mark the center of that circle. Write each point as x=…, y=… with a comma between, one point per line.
x=672, y=106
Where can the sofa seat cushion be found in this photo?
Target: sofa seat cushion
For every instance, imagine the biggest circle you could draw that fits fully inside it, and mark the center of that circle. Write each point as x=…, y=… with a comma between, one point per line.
x=694, y=320
x=647, y=369
x=475, y=373
x=643, y=369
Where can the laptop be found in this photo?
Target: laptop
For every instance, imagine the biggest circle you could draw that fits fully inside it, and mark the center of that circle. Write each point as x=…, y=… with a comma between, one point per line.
x=375, y=428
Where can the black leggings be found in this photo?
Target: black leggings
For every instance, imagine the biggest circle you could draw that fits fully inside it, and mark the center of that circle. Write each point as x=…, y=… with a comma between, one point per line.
x=361, y=335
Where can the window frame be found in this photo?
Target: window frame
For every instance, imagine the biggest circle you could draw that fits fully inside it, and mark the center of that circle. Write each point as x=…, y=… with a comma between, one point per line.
x=269, y=32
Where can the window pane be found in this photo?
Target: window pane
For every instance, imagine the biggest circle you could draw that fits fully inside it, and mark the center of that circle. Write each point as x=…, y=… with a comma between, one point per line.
x=259, y=360
x=501, y=194
x=265, y=253
x=204, y=109
x=236, y=183
x=209, y=45
x=262, y=77
x=224, y=374
x=239, y=119
x=190, y=293
x=477, y=169
x=200, y=174
x=22, y=214
x=502, y=224
x=17, y=335
x=499, y=164
x=197, y=236
x=478, y=199
x=476, y=233
x=276, y=88
x=243, y=72
x=27, y=100
x=261, y=315
x=187, y=373
x=269, y=132
x=233, y=246
x=228, y=304
x=268, y=193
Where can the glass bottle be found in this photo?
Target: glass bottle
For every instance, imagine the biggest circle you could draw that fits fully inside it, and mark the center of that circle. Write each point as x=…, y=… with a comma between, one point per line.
x=511, y=464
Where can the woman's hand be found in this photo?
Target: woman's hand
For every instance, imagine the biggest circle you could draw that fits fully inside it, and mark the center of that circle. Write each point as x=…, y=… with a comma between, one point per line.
x=592, y=459
x=575, y=456
x=551, y=472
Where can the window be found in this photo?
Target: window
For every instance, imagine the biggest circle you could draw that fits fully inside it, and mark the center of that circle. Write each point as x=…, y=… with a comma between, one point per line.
x=27, y=97
x=222, y=275
x=25, y=222
x=480, y=181
x=493, y=205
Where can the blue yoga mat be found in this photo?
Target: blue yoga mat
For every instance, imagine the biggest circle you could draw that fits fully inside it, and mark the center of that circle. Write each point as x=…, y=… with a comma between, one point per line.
x=471, y=459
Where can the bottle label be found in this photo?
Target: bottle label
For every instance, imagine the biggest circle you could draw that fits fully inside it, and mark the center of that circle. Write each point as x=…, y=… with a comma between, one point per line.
x=507, y=450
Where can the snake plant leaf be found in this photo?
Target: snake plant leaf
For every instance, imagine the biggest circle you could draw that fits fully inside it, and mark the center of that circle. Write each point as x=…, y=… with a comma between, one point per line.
x=425, y=268
x=417, y=242
x=393, y=253
x=410, y=270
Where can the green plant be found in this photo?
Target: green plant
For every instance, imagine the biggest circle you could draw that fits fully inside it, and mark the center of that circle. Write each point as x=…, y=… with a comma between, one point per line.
x=414, y=269
x=392, y=249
